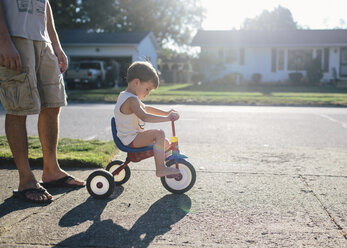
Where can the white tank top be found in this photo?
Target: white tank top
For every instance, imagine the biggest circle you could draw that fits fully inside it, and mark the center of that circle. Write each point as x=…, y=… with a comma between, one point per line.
x=27, y=19
x=128, y=126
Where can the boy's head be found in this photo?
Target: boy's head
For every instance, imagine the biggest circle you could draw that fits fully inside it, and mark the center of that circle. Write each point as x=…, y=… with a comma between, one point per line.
x=144, y=71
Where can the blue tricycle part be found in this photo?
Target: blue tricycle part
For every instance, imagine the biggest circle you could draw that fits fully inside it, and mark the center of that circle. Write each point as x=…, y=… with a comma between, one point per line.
x=176, y=157
x=119, y=143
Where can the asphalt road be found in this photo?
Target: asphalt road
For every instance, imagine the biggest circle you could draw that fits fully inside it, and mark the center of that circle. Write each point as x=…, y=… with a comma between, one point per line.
x=266, y=177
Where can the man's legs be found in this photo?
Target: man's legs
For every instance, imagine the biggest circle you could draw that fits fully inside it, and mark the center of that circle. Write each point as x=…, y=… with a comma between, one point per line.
x=48, y=127
x=15, y=126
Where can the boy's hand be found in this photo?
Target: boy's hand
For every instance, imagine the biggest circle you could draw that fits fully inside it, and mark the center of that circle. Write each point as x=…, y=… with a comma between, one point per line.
x=174, y=116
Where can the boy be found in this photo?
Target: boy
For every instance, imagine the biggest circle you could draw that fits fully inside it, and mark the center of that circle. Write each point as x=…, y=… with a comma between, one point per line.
x=131, y=114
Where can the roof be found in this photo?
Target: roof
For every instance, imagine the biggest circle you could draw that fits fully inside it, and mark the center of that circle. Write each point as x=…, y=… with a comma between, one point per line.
x=242, y=38
x=87, y=37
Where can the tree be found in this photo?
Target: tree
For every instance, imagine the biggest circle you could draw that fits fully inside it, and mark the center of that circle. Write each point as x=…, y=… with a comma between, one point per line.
x=279, y=18
x=169, y=20
x=67, y=14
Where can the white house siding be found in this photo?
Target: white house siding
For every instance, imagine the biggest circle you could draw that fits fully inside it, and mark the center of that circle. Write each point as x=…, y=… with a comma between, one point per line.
x=146, y=51
x=259, y=60
x=256, y=60
x=93, y=50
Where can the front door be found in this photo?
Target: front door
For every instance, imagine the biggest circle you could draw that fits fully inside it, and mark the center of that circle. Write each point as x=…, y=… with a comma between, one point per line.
x=343, y=62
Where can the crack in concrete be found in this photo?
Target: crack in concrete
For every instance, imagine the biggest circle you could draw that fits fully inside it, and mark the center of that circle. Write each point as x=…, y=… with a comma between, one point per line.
x=339, y=227
x=256, y=173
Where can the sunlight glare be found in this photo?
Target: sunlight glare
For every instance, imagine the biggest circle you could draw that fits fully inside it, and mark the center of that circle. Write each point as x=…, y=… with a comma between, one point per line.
x=230, y=14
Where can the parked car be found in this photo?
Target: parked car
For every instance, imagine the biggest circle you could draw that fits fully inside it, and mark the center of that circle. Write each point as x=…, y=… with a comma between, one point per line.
x=91, y=73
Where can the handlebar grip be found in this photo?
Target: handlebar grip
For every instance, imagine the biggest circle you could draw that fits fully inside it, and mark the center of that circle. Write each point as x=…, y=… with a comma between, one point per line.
x=173, y=128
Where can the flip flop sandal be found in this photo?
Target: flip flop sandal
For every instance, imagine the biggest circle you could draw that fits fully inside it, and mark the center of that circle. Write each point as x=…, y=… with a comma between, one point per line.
x=61, y=183
x=23, y=195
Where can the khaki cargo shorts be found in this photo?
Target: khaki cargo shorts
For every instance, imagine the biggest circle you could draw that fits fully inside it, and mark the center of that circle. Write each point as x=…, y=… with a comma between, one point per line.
x=40, y=83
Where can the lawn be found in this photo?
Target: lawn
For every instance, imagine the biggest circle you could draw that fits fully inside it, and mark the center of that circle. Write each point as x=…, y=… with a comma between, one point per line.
x=71, y=152
x=224, y=94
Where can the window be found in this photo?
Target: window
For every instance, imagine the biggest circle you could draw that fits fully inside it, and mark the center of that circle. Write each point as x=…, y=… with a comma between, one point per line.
x=326, y=59
x=90, y=65
x=221, y=54
x=242, y=56
x=273, y=60
x=231, y=56
x=319, y=54
x=281, y=60
x=298, y=58
x=343, y=62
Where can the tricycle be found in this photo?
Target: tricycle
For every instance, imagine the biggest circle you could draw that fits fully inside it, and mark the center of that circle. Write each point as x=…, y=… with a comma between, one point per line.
x=100, y=183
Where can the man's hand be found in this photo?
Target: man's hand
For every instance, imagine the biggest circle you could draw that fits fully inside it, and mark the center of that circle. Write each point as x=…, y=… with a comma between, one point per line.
x=62, y=59
x=9, y=56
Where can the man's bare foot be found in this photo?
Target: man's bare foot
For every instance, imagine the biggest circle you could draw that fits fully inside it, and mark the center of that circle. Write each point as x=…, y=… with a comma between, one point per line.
x=77, y=181
x=64, y=182
x=36, y=194
x=167, y=171
x=61, y=179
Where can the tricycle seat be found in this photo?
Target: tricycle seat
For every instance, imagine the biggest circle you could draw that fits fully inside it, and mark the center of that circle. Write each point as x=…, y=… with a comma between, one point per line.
x=119, y=143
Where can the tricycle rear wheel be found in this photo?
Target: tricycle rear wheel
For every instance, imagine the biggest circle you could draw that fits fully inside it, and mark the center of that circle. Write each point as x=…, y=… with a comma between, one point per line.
x=100, y=184
x=123, y=175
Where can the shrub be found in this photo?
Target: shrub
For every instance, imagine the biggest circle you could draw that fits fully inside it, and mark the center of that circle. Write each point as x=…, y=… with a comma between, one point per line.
x=256, y=78
x=197, y=77
x=314, y=71
x=233, y=78
x=295, y=77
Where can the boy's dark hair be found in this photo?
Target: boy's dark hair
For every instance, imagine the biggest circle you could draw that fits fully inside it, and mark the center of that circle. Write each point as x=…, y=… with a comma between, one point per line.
x=144, y=71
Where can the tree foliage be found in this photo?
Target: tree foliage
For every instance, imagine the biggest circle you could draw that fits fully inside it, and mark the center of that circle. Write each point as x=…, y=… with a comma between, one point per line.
x=169, y=20
x=279, y=18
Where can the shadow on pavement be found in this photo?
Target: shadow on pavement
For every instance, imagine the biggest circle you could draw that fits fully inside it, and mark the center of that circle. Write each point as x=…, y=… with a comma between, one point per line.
x=156, y=221
x=91, y=210
x=12, y=204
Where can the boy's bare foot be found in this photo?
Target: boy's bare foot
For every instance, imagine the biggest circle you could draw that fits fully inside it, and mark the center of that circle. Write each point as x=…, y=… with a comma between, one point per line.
x=167, y=154
x=167, y=171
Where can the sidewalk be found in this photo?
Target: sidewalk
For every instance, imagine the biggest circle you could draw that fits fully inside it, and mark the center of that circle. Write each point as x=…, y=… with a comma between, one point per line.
x=231, y=209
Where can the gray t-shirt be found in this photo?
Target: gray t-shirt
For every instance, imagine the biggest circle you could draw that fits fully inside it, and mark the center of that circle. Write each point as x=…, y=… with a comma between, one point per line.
x=27, y=18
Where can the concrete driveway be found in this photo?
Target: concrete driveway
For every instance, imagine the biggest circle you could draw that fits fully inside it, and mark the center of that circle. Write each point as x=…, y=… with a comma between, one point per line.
x=266, y=177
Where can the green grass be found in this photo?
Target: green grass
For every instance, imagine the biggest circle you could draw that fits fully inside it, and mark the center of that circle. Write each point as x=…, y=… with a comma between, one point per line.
x=227, y=94
x=71, y=152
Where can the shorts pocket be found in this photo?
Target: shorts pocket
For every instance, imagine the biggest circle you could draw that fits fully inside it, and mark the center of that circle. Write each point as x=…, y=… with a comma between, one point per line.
x=15, y=91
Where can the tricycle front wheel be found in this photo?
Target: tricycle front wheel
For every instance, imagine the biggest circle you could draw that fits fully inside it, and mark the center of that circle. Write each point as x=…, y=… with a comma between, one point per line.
x=180, y=184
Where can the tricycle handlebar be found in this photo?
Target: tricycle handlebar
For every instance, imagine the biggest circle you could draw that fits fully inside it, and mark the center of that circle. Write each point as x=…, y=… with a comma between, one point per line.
x=173, y=128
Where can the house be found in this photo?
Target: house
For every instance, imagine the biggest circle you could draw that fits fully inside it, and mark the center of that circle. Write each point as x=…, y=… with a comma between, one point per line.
x=176, y=68
x=273, y=55
x=122, y=47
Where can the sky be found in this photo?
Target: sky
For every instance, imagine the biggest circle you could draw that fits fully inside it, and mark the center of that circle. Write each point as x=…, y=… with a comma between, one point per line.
x=312, y=14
